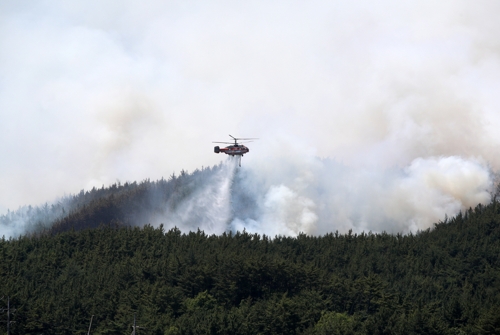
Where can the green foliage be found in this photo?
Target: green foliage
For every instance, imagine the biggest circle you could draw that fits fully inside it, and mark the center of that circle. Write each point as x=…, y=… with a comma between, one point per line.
x=203, y=301
x=489, y=323
x=333, y=323
x=444, y=281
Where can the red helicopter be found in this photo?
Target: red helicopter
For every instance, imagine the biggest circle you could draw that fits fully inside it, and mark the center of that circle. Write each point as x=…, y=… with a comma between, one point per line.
x=234, y=149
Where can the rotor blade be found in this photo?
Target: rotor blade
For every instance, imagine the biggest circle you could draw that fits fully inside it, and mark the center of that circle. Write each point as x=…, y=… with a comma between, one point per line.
x=244, y=138
x=232, y=142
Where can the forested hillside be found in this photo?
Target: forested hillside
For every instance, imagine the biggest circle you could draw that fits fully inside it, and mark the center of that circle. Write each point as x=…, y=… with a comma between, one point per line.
x=126, y=204
x=441, y=281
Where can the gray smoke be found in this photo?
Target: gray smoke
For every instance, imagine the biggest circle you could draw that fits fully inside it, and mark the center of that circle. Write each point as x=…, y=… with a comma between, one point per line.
x=28, y=219
x=208, y=206
x=325, y=196
x=278, y=197
x=372, y=115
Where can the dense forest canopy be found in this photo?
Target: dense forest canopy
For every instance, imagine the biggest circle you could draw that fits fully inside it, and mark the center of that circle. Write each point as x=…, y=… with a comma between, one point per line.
x=439, y=281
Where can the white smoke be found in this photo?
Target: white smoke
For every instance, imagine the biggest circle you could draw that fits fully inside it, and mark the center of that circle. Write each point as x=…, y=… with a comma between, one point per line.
x=399, y=99
x=208, y=207
x=278, y=196
x=326, y=196
x=281, y=211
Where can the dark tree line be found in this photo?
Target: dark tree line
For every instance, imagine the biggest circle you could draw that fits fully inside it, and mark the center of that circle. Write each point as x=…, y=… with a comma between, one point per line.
x=440, y=281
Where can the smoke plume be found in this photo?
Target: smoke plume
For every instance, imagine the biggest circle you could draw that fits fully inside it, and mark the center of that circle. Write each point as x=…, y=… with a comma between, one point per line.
x=324, y=196
x=371, y=115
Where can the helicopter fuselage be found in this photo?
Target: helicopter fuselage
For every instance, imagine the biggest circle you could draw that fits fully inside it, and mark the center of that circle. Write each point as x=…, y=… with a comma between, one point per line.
x=233, y=150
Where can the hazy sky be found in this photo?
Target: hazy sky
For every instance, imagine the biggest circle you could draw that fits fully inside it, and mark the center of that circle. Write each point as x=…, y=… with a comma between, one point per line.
x=97, y=91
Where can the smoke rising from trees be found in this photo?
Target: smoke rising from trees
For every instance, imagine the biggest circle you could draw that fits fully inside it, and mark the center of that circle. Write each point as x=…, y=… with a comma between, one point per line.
x=320, y=197
x=326, y=196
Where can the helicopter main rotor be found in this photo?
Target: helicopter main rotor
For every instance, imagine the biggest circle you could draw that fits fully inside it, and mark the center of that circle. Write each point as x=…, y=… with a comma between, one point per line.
x=241, y=139
x=236, y=139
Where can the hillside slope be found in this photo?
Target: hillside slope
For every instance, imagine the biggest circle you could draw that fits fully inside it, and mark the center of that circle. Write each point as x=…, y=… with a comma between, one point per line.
x=444, y=281
x=128, y=204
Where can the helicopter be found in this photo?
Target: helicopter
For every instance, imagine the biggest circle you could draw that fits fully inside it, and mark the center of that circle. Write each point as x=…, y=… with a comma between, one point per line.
x=235, y=149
